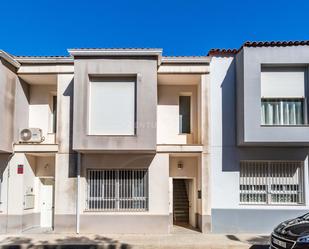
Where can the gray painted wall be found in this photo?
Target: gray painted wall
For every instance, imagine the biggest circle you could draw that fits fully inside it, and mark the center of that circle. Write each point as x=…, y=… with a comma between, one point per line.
x=146, y=71
x=250, y=220
x=249, y=61
x=228, y=215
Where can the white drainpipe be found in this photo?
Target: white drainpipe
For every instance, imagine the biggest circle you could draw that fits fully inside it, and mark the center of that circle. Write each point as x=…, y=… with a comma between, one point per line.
x=77, y=192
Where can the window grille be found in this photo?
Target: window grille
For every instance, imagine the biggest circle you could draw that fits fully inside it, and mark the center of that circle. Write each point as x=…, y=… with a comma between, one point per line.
x=271, y=182
x=117, y=190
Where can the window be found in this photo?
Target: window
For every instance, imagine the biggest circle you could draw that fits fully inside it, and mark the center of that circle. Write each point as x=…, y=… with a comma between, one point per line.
x=282, y=111
x=117, y=190
x=1, y=189
x=283, y=99
x=271, y=182
x=184, y=114
x=54, y=114
x=112, y=106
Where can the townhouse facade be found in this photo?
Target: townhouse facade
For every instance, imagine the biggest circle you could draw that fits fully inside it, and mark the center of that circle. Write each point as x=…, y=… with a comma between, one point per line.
x=121, y=131
x=130, y=141
x=259, y=147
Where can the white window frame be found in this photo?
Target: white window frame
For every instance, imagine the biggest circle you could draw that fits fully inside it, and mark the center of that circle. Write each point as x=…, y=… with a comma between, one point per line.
x=271, y=179
x=303, y=97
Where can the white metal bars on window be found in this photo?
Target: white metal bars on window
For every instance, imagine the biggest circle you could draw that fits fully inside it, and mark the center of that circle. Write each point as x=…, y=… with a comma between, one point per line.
x=117, y=190
x=271, y=182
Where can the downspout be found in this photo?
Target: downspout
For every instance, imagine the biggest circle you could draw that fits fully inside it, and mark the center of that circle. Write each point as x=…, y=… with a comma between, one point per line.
x=7, y=188
x=77, y=193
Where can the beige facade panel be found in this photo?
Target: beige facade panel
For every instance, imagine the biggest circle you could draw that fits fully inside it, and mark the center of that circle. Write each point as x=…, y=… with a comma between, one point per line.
x=179, y=148
x=145, y=72
x=8, y=81
x=47, y=68
x=38, y=148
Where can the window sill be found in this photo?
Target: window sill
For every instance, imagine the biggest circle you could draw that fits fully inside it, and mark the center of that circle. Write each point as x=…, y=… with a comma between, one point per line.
x=305, y=125
x=118, y=212
x=271, y=205
x=114, y=135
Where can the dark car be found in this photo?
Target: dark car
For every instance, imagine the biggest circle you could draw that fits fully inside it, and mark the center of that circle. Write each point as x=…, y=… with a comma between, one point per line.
x=291, y=234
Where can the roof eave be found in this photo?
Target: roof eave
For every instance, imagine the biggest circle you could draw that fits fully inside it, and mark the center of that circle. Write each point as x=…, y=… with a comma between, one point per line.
x=115, y=52
x=29, y=60
x=155, y=52
x=9, y=58
x=186, y=60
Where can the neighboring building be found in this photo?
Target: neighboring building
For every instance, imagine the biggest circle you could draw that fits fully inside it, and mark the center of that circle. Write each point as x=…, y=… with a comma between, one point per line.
x=134, y=142
x=259, y=135
x=125, y=148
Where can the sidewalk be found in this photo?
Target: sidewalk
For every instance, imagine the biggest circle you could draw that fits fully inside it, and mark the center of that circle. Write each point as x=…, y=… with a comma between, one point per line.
x=171, y=241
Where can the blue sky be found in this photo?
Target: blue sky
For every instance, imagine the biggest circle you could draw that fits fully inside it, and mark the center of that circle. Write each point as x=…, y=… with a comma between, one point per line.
x=192, y=27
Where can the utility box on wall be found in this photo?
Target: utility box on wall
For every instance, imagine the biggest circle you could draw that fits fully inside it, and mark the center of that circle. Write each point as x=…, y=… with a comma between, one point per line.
x=20, y=169
x=29, y=200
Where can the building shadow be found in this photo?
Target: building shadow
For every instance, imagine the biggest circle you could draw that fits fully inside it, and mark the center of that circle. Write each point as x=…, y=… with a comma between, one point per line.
x=229, y=120
x=98, y=242
x=259, y=247
x=69, y=92
x=256, y=242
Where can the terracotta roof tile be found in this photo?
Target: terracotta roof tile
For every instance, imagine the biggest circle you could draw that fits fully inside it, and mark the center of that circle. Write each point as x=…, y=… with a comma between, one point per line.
x=219, y=51
x=275, y=43
x=257, y=44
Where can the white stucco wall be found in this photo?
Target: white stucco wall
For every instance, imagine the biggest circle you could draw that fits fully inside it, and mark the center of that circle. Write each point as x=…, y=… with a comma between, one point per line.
x=65, y=184
x=26, y=183
x=226, y=195
x=168, y=114
x=21, y=115
x=40, y=109
x=64, y=112
x=45, y=166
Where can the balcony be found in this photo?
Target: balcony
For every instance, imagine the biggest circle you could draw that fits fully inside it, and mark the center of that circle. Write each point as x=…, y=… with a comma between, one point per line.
x=179, y=110
x=38, y=109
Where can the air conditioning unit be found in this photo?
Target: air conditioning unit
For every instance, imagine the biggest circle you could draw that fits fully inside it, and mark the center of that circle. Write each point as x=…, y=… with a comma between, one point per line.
x=31, y=135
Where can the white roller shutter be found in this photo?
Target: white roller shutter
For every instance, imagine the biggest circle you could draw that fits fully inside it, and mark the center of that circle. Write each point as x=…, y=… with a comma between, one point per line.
x=112, y=106
x=283, y=82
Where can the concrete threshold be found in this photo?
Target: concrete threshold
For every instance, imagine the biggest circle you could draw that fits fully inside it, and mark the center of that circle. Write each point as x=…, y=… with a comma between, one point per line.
x=141, y=241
